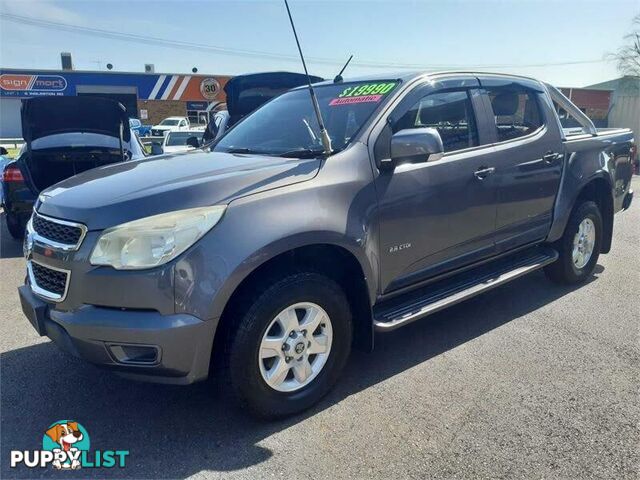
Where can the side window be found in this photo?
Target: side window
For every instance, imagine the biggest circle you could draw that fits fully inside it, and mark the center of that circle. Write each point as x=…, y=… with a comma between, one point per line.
x=570, y=124
x=516, y=111
x=451, y=113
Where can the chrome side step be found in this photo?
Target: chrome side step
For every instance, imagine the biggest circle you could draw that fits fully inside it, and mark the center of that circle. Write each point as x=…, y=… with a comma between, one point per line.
x=461, y=287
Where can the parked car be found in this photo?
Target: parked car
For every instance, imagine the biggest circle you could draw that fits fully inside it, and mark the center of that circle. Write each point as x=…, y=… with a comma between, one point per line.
x=170, y=124
x=273, y=256
x=245, y=93
x=63, y=136
x=182, y=141
x=140, y=129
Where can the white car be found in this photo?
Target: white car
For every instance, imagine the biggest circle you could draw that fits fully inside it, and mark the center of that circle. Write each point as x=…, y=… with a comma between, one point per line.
x=171, y=124
x=176, y=141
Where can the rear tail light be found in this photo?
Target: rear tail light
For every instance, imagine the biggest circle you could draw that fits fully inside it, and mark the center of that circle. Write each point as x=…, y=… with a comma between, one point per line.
x=12, y=174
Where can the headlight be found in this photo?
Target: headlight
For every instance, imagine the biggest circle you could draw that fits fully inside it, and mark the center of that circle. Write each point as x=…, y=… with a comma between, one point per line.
x=155, y=240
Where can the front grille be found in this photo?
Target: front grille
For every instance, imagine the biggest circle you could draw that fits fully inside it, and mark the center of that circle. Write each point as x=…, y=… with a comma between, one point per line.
x=57, y=232
x=52, y=281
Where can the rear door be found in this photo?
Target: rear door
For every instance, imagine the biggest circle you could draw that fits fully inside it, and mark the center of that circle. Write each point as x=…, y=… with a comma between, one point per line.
x=527, y=158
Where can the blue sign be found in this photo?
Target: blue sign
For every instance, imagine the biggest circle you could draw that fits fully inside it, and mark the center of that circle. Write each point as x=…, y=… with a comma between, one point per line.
x=197, y=105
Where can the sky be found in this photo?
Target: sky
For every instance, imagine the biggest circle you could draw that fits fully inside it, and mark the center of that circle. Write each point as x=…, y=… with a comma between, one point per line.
x=563, y=42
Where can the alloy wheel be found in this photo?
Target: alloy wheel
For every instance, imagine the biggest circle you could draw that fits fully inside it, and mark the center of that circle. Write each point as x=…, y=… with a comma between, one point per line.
x=295, y=347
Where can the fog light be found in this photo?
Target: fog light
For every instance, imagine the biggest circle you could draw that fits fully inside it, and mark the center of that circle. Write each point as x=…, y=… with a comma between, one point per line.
x=135, y=354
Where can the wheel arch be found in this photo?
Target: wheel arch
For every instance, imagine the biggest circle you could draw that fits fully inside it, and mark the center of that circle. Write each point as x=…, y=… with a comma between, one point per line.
x=597, y=188
x=343, y=263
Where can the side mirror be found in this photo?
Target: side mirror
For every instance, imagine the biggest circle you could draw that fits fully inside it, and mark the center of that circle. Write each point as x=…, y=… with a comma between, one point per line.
x=193, y=142
x=156, y=149
x=415, y=145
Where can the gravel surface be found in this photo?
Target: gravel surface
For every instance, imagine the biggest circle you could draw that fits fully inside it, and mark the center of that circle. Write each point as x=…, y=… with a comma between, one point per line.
x=530, y=380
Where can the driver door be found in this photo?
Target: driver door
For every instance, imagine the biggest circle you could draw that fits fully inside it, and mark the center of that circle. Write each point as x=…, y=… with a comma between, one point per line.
x=440, y=215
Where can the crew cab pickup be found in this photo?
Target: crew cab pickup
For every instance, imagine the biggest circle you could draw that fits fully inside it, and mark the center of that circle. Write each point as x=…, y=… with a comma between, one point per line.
x=170, y=124
x=272, y=256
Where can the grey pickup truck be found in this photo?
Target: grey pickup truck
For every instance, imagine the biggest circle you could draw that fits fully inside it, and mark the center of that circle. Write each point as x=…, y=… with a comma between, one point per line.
x=265, y=259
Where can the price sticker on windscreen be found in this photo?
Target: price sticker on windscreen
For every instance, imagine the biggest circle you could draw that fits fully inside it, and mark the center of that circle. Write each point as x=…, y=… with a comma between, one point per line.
x=363, y=93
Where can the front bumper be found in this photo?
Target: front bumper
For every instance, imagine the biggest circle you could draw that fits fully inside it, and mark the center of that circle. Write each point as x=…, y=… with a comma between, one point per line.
x=144, y=345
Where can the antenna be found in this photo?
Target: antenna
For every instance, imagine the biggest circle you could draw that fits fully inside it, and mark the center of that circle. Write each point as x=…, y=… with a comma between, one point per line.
x=326, y=141
x=339, y=78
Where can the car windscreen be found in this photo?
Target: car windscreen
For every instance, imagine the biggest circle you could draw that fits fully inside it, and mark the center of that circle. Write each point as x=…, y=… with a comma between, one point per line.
x=180, y=138
x=169, y=121
x=288, y=124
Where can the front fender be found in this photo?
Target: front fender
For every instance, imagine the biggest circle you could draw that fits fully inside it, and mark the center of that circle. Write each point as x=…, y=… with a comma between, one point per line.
x=258, y=228
x=287, y=244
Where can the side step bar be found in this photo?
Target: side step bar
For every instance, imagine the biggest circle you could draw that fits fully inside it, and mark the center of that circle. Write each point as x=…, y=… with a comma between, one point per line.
x=433, y=298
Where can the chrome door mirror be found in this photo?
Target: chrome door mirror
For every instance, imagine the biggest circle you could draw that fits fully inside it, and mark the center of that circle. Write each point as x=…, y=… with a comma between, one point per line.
x=416, y=145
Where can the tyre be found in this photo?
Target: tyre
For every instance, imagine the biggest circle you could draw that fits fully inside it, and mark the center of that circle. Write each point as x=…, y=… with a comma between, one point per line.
x=579, y=247
x=290, y=345
x=15, y=227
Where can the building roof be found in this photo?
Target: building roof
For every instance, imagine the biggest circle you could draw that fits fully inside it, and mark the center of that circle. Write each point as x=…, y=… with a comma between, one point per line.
x=628, y=85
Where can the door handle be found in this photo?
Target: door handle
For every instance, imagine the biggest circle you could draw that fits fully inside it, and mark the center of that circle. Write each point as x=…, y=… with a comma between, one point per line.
x=551, y=157
x=483, y=172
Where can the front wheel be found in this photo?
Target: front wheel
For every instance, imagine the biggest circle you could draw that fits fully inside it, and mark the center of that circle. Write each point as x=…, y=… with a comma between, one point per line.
x=579, y=247
x=291, y=345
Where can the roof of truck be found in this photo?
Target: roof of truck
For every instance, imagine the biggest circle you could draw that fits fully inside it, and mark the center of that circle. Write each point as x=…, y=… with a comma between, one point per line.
x=407, y=76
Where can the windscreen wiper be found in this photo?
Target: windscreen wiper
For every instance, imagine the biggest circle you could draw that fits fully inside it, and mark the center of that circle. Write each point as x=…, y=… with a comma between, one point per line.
x=240, y=150
x=304, y=153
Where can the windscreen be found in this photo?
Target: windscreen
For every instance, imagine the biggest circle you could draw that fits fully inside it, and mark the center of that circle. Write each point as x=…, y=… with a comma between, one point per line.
x=169, y=121
x=180, y=138
x=288, y=123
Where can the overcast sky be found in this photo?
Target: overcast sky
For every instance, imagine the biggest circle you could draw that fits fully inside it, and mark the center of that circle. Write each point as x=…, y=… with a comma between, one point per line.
x=563, y=42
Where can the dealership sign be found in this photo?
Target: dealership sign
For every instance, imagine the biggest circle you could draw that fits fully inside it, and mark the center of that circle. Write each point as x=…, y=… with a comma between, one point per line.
x=32, y=85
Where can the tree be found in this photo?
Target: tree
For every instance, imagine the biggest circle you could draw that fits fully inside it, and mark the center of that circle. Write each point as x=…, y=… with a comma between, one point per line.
x=627, y=57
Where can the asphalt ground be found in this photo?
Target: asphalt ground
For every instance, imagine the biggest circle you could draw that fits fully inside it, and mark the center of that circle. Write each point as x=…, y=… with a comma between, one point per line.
x=530, y=380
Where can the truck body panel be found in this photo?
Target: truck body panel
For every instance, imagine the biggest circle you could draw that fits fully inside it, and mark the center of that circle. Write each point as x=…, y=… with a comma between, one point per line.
x=507, y=178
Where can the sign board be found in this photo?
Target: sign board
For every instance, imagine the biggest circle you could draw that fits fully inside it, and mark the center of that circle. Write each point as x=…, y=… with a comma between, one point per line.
x=191, y=88
x=197, y=105
x=209, y=88
x=144, y=114
x=32, y=85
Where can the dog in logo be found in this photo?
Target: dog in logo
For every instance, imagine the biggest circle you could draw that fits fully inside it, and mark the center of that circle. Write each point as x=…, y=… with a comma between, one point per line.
x=65, y=435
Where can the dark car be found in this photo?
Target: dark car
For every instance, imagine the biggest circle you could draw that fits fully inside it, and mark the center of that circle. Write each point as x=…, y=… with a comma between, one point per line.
x=245, y=93
x=266, y=259
x=64, y=136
